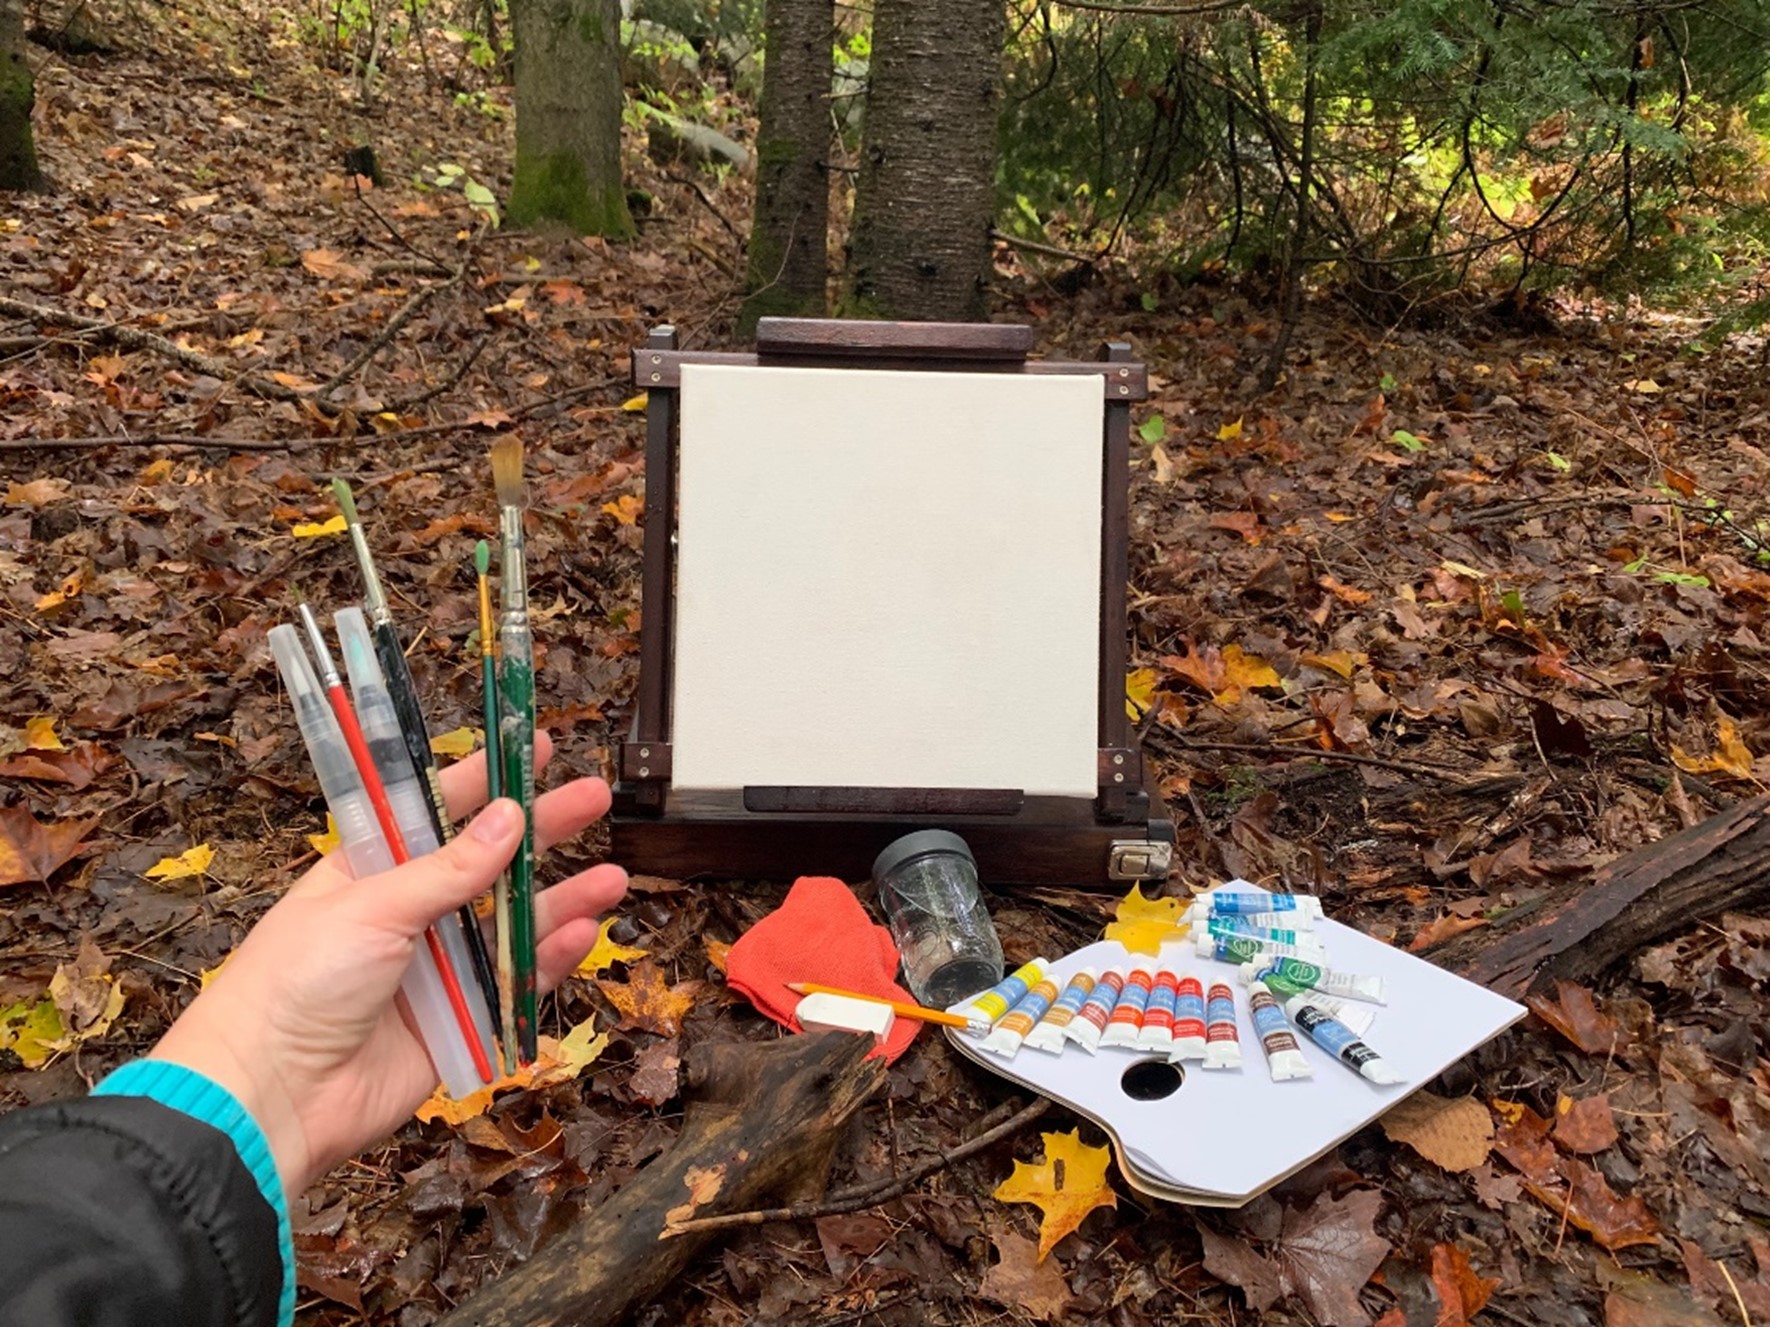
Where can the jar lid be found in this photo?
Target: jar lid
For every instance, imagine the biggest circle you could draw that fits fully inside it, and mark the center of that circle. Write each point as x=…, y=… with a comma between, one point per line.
x=919, y=844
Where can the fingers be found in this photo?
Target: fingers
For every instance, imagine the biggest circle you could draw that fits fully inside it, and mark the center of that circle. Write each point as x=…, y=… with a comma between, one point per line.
x=587, y=894
x=464, y=782
x=568, y=811
x=408, y=898
x=559, y=954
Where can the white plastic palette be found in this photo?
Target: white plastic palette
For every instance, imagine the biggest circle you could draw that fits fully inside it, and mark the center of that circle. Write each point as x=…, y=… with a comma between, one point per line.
x=1225, y=1136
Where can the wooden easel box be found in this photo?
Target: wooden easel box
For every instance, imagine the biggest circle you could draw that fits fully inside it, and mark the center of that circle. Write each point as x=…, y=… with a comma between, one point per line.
x=764, y=831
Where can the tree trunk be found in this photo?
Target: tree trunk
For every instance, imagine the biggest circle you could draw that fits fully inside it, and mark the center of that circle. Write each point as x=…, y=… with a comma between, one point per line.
x=925, y=199
x=18, y=151
x=788, y=242
x=568, y=116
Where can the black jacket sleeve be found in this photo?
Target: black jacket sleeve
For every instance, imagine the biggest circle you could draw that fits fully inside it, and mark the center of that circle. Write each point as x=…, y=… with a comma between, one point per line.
x=121, y=1212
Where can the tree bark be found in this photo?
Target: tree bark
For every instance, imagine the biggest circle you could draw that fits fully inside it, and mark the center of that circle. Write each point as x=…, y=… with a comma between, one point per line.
x=788, y=262
x=18, y=150
x=761, y=1121
x=920, y=247
x=1576, y=932
x=568, y=116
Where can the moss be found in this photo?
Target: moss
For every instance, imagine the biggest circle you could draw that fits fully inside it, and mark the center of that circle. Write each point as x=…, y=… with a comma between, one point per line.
x=18, y=153
x=553, y=186
x=590, y=29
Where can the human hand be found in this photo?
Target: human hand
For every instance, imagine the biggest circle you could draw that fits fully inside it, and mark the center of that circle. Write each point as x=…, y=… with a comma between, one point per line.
x=300, y=1023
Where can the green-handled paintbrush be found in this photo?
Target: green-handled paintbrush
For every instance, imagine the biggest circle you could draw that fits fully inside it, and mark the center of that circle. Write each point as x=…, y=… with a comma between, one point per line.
x=482, y=563
x=516, y=730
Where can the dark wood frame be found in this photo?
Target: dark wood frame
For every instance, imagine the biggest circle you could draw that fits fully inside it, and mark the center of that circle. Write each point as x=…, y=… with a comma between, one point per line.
x=776, y=832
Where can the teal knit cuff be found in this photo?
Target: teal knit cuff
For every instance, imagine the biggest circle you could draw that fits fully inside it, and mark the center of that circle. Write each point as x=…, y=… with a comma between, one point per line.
x=189, y=1092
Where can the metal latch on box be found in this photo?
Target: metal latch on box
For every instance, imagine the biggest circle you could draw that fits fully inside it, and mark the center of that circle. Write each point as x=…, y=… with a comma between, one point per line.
x=1138, y=859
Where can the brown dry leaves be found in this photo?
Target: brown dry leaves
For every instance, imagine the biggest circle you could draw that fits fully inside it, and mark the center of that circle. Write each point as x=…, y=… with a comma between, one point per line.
x=33, y=850
x=1022, y=1279
x=1568, y=1186
x=1323, y=1254
x=1455, y=1133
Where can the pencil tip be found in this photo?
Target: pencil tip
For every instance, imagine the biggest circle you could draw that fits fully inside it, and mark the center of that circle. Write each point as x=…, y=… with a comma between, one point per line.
x=482, y=557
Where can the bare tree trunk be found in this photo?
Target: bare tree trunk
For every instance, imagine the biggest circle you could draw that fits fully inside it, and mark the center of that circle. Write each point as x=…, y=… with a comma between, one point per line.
x=568, y=115
x=926, y=195
x=18, y=151
x=788, y=264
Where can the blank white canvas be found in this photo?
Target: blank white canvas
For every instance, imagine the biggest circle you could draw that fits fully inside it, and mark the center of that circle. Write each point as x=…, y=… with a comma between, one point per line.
x=887, y=579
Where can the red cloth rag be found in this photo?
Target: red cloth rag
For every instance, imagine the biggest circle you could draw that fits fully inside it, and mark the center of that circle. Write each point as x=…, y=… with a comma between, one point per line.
x=819, y=934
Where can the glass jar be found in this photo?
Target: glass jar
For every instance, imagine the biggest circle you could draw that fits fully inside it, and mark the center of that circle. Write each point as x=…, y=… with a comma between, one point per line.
x=928, y=890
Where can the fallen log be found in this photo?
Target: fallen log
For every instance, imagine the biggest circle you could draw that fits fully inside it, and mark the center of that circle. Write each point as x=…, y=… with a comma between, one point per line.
x=1576, y=932
x=762, y=1121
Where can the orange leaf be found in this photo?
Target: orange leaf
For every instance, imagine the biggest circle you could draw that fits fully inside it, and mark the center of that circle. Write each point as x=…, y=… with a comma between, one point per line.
x=1243, y=672
x=1340, y=590
x=1575, y=1015
x=1204, y=669
x=646, y=1002
x=625, y=509
x=1587, y=1125
x=1438, y=931
x=1066, y=1201
x=330, y=265
x=1461, y=1293
x=1244, y=523
x=1731, y=756
x=33, y=850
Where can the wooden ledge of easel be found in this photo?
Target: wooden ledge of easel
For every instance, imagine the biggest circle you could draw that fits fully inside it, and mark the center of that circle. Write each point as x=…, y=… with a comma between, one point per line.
x=837, y=338
x=659, y=369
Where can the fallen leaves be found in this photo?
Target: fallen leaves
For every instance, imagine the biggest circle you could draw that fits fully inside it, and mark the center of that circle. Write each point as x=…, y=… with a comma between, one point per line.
x=1064, y=1198
x=1587, y=1125
x=455, y=743
x=1461, y=1293
x=329, y=265
x=1142, y=925
x=606, y=952
x=192, y=861
x=648, y=1003
x=81, y=1004
x=326, y=840
x=40, y=735
x=36, y=492
x=320, y=529
x=1568, y=1186
x=1730, y=756
x=1323, y=1254
x=1227, y=674
x=32, y=850
x=626, y=509
x=1022, y=1279
x=1442, y=928
x=1455, y=1132
x=1140, y=691
x=557, y=1061
x=1574, y=1013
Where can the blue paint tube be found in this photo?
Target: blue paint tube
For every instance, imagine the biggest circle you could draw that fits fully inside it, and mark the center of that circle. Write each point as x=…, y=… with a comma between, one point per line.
x=1342, y=1043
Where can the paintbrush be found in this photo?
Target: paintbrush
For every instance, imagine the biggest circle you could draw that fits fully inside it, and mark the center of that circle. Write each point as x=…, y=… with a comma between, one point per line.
x=516, y=730
x=482, y=562
x=413, y=730
x=396, y=841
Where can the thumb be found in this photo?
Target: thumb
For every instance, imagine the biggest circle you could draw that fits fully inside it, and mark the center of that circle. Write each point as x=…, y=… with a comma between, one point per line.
x=411, y=897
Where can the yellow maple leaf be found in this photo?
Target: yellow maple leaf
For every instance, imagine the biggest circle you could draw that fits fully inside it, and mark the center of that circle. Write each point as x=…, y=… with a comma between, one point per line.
x=1139, y=692
x=635, y=405
x=324, y=842
x=310, y=530
x=457, y=742
x=40, y=735
x=1230, y=432
x=647, y=1003
x=624, y=509
x=556, y=1061
x=1731, y=755
x=32, y=1031
x=1064, y=1203
x=192, y=861
x=1141, y=924
x=605, y=951
x=1243, y=672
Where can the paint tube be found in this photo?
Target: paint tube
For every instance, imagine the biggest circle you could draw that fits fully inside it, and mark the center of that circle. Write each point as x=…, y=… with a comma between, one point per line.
x=1201, y=914
x=1249, y=949
x=1006, y=1036
x=1284, y=1058
x=1127, y=1014
x=1239, y=897
x=1189, y=1021
x=1157, y=1032
x=1090, y=1020
x=1287, y=976
x=1343, y=1044
x=1237, y=928
x=1222, y=1037
x=1358, y=1017
x=1005, y=994
x=1048, y=1035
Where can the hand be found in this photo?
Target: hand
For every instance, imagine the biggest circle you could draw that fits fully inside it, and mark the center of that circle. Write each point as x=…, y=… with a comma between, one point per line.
x=300, y=1024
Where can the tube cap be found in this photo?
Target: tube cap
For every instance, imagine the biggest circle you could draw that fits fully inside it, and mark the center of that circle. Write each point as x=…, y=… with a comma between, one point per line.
x=919, y=844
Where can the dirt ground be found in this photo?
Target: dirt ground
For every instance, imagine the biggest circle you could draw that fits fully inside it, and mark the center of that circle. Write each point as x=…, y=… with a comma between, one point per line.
x=1456, y=614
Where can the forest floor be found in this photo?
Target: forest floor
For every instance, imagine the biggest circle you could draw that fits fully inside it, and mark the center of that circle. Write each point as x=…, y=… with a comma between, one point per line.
x=1516, y=572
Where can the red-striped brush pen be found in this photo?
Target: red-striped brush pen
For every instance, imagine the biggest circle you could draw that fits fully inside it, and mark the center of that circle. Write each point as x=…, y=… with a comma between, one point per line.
x=396, y=842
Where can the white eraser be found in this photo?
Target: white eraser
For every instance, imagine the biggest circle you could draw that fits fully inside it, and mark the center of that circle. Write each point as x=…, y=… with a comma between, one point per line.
x=844, y=1013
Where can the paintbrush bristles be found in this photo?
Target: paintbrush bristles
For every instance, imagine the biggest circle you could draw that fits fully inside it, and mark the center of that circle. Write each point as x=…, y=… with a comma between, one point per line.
x=346, y=503
x=507, y=471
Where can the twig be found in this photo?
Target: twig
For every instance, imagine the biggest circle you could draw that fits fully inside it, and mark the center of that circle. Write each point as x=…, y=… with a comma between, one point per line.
x=701, y=194
x=136, y=339
x=1738, y=1298
x=405, y=315
x=867, y=1195
x=449, y=384
x=1347, y=757
x=1034, y=246
x=394, y=230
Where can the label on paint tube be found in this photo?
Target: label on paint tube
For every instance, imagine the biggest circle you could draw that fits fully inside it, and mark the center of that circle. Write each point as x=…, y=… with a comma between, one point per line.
x=1343, y=1044
x=1090, y=1020
x=1157, y=1032
x=1300, y=974
x=1222, y=1036
x=1231, y=900
x=1049, y=1034
x=1005, y=994
x=1189, y=1021
x=1238, y=927
x=1248, y=949
x=1127, y=1015
x=1006, y=1036
x=1284, y=1058
x=1358, y=1017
